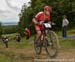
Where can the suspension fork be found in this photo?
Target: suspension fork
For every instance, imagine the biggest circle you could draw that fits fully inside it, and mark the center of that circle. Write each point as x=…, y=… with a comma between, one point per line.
x=51, y=39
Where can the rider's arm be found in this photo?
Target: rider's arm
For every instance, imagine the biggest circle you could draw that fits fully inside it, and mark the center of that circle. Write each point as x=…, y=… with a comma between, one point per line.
x=37, y=17
x=34, y=21
x=49, y=22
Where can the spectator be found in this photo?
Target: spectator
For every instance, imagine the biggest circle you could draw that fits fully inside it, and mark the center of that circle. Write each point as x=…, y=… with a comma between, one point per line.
x=5, y=40
x=18, y=37
x=27, y=33
x=65, y=23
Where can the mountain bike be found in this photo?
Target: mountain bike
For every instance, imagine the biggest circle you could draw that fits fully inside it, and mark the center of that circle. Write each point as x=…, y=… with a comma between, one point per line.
x=49, y=40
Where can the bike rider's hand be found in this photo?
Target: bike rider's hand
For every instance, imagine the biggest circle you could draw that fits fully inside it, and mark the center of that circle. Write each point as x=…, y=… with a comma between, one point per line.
x=52, y=23
x=49, y=22
x=41, y=22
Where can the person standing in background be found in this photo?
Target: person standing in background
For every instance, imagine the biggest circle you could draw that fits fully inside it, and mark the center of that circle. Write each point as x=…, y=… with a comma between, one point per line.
x=18, y=37
x=27, y=33
x=5, y=40
x=65, y=23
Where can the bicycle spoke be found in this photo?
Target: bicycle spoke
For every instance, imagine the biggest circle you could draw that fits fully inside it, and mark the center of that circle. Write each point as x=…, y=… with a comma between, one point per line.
x=37, y=47
x=51, y=44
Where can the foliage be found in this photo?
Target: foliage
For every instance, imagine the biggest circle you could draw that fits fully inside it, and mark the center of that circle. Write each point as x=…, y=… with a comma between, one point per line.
x=9, y=29
x=0, y=29
x=59, y=8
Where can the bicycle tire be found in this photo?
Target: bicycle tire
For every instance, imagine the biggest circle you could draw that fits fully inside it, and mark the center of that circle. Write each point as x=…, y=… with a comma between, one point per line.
x=52, y=34
x=38, y=49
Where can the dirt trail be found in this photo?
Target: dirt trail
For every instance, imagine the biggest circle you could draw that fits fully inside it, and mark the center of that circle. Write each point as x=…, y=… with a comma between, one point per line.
x=64, y=55
x=29, y=55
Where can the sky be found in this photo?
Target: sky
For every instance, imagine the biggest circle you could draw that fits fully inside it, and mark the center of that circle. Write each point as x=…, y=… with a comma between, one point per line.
x=9, y=10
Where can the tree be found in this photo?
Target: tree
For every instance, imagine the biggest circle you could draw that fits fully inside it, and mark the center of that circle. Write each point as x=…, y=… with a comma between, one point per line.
x=1, y=30
x=59, y=8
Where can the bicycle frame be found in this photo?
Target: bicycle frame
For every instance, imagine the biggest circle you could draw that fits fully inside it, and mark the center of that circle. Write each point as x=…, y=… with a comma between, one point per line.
x=47, y=41
x=43, y=35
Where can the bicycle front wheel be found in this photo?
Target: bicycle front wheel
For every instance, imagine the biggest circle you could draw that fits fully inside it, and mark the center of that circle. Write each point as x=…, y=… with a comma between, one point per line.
x=52, y=43
x=38, y=46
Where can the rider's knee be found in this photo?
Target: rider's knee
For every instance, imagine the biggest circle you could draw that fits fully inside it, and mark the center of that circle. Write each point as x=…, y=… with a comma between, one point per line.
x=39, y=33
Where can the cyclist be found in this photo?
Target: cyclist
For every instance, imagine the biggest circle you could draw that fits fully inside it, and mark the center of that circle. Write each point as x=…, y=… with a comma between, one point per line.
x=39, y=19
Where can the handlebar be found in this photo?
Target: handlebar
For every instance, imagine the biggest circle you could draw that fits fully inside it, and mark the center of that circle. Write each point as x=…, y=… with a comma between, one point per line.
x=52, y=23
x=41, y=23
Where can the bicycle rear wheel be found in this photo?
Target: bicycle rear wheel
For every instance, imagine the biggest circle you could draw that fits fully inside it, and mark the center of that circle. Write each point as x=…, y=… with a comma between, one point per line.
x=51, y=44
x=38, y=46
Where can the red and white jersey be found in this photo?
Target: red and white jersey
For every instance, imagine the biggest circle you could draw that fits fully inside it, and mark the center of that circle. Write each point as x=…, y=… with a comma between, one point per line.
x=42, y=17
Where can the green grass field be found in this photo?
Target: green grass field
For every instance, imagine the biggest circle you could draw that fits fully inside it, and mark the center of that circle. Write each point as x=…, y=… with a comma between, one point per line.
x=15, y=51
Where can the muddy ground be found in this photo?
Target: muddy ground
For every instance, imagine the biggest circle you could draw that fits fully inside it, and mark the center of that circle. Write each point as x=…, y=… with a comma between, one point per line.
x=29, y=55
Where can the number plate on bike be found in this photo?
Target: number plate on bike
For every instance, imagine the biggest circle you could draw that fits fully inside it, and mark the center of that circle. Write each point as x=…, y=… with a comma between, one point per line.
x=47, y=25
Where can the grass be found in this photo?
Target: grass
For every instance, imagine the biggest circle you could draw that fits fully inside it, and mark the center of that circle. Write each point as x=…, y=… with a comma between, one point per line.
x=69, y=32
x=67, y=42
x=3, y=58
x=16, y=51
x=10, y=56
x=15, y=44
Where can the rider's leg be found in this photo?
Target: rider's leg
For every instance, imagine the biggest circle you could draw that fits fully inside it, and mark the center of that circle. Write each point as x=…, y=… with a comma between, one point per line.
x=38, y=35
x=46, y=31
